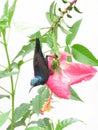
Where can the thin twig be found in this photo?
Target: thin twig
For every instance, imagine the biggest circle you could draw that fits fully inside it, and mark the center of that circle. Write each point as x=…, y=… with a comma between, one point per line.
x=63, y=13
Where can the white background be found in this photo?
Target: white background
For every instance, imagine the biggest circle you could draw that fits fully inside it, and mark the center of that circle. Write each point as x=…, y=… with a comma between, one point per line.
x=32, y=14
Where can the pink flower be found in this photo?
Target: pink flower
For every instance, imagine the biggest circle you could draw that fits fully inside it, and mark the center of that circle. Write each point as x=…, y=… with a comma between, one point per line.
x=70, y=73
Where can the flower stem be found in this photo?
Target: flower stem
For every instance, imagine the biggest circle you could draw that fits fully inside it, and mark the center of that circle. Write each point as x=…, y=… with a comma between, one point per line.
x=11, y=78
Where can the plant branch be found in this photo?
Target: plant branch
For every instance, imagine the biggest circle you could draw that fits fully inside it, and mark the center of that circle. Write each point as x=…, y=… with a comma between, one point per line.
x=63, y=13
x=5, y=90
x=11, y=78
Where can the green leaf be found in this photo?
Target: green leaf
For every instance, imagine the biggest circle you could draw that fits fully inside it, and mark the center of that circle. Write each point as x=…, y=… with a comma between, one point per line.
x=64, y=123
x=21, y=62
x=59, y=9
x=77, y=10
x=65, y=1
x=5, y=10
x=21, y=111
x=82, y=54
x=51, y=19
x=3, y=23
x=52, y=9
x=6, y=73
x=45, y=123
x=4, y=18
x=70, y=8
x=4, y=96
x=40, y=99
x=3, y=118
x=51, y=15
x=11, y=11
x=26, y=49
x=34, y=128
x=69, y=16
x=7, y=15
x=74, y=29
x=74, y=95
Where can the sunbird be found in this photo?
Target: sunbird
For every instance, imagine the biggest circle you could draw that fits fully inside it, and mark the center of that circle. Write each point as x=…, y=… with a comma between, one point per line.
x=40, y=65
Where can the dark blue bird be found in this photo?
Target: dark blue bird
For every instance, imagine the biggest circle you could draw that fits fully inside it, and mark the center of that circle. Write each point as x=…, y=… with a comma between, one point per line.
x=40, y=64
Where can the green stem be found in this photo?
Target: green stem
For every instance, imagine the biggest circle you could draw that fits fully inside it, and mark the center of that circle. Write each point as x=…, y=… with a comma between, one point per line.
x=5, y=90
x=11, y=78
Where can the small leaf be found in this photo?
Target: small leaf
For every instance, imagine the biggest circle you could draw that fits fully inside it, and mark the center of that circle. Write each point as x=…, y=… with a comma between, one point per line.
x=21, y=111
x=59, y=9
x=3, y=23
x=74, y=95
x=4, y=17
x=4, y=96
x=51, y=15
x=77, y=10
x=52, y=8
x=11, y=11
x=34, y=128
x=20, y=63
x=69, y=16
x=64, y=123
x=70, y=8
x=74, y=29
x=6, y=73
x=65, y=1
x=3, y=118
x=5, y=10
x=82, y=54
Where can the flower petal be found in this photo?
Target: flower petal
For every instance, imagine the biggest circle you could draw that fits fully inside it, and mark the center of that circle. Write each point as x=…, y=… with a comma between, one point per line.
x=79, y=72
x=70, y=73
x=59, y=85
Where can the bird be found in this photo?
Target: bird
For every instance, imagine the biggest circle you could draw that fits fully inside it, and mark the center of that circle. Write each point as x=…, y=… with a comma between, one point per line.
x=40, y=66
